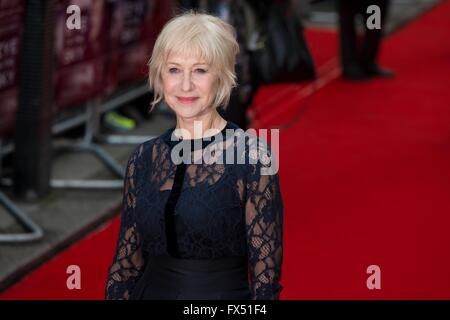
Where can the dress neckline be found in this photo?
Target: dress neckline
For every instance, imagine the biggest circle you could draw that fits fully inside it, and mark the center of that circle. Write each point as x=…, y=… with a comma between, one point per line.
x=202, y=138
x=203, y=142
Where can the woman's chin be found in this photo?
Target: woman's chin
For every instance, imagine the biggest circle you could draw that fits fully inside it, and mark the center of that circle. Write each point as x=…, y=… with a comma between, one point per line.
x=185, y=108
x=186, y=111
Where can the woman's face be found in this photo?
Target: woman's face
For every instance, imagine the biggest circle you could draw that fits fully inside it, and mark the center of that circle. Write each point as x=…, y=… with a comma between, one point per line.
x=189, y=85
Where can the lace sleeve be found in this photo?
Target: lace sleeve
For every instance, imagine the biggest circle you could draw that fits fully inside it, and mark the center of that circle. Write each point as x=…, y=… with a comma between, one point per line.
x=128, y=261
x=264, y=222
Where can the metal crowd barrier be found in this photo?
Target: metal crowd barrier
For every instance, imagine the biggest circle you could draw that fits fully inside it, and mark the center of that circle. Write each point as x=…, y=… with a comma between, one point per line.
x=99, y=51
x=34, y=232
x=91, y=118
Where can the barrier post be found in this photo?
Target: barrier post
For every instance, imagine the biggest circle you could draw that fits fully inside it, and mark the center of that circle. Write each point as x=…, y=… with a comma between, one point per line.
x=32, y=157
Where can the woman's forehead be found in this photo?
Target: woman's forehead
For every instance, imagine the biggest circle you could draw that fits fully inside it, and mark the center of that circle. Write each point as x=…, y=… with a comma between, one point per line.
x=184, y=57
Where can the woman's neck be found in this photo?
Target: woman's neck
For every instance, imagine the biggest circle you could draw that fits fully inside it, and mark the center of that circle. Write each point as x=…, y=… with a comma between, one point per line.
x=198, y=128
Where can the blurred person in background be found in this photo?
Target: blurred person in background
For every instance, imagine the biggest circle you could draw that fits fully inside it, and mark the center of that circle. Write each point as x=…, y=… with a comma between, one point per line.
x=359, y=58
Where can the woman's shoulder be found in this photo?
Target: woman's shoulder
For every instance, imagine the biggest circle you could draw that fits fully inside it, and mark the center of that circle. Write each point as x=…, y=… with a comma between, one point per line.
x=159, y=140
x=254, y=151
x=145, y=149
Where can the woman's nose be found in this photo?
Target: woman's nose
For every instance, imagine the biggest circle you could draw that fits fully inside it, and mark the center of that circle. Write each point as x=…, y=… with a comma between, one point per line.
x=186, y=82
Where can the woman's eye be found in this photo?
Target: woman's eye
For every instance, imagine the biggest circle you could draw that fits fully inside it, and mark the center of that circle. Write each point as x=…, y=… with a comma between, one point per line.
x=198, y=70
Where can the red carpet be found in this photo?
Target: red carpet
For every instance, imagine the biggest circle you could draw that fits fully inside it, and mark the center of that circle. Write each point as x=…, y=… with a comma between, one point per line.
x=93, y=255
x=365, y=172
x=367, y=176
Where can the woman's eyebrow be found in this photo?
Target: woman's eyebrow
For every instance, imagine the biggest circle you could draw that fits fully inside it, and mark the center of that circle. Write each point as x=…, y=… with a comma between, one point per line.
x=195, y=64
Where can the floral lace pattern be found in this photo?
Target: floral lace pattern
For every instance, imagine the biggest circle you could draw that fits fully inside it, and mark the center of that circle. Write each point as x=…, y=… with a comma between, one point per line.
x=218, y=210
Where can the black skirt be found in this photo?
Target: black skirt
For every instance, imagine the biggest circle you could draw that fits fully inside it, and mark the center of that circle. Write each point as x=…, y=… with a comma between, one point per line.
x=168, y=278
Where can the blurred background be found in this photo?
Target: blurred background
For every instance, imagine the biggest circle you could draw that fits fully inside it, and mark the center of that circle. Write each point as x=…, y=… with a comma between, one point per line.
x=360, y=97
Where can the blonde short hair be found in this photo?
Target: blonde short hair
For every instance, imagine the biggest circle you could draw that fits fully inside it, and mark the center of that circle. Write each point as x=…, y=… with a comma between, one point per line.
x=207, y=37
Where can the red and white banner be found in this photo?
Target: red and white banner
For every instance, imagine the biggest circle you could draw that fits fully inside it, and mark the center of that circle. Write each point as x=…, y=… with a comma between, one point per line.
x=142, y=21
x=11, y=29
x=78, y=53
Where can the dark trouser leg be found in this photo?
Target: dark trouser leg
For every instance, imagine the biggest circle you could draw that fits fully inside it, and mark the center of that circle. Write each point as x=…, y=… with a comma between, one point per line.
x=242, y=96
x=347, y=10
x=373, y=37
x=235, y=111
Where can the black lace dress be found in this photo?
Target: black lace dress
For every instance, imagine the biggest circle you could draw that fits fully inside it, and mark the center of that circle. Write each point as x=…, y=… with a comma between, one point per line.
x=212, y=213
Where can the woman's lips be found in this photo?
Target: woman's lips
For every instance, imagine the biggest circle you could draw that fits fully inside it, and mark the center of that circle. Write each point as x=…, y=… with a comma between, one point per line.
x=187, y=100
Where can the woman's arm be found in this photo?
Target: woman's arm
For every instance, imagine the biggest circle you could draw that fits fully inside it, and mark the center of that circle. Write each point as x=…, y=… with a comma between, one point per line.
x=128, y=262
x=264, y=221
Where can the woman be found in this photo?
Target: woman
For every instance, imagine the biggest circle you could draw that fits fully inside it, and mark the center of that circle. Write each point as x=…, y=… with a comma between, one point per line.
x=194, y=229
